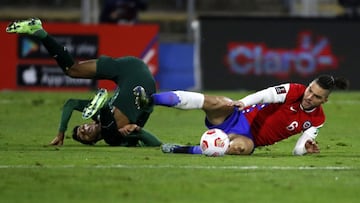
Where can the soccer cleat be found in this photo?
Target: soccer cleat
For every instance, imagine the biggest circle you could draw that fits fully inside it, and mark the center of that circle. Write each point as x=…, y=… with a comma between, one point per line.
x=168, y=147
x=29, y=26
x=96, y=103
x=141, y=99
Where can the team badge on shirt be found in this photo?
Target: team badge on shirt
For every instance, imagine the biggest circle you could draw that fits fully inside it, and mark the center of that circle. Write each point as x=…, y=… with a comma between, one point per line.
x=307, y=125
x=280, y=90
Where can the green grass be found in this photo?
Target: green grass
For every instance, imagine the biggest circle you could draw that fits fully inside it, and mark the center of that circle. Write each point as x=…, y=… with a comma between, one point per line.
x=31, y=171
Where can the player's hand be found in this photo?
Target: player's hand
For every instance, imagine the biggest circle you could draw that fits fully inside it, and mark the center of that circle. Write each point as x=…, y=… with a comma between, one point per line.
x=239, y=104
x=58, y=140
x=129, y=128
x=312, y=147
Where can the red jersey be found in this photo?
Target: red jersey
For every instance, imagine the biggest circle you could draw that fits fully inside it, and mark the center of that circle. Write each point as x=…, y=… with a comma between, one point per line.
x=272, y=122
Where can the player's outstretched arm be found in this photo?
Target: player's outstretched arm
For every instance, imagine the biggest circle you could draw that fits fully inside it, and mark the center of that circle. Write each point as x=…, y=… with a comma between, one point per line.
x=268, y=95
x=306, y=142
x=69, y=106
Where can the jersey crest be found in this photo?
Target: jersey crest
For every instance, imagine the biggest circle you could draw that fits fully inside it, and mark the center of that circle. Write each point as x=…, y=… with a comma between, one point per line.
x=306, y=125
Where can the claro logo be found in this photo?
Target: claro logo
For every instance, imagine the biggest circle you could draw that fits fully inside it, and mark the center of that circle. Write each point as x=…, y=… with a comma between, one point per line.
x=310, y=56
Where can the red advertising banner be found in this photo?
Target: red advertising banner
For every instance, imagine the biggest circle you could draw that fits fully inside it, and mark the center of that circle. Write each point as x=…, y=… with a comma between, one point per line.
x=27, y=65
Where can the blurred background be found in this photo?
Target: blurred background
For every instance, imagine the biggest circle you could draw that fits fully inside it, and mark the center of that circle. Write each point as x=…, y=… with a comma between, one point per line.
x=190, y=44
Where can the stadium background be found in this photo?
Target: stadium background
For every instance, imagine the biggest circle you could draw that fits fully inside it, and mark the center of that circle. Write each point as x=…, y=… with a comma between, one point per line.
x=190, y=44
x=32, y=171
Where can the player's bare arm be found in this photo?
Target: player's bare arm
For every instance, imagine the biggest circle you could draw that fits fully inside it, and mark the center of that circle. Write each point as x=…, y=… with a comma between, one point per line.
x=129, y=128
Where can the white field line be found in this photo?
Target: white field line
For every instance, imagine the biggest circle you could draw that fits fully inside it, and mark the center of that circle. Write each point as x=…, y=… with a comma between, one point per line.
x=24, y=101
x=120, y=166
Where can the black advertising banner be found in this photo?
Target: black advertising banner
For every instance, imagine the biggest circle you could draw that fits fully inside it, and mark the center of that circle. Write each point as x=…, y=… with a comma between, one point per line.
x=79, y=46
x=48, y=76
x=40, y=74
x=253, y=53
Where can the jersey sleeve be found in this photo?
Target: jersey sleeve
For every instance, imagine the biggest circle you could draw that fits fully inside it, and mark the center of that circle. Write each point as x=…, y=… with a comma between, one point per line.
x=309, y=134
x=68, y=108
x=295, y=92
x=276, y=94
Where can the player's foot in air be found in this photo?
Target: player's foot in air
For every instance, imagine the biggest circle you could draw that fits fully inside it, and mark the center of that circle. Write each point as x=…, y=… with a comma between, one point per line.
x=96, y=103
x=141, y=98
x=29, y=26
x=168, y=147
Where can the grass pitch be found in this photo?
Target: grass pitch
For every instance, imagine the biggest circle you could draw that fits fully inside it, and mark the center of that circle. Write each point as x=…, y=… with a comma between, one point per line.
x=31, y=171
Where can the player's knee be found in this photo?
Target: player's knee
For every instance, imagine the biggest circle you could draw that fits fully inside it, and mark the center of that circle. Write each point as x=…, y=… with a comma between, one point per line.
x=217, y=109
x=72, y=71
x=215, y=102
x=238, y=149
x=240, y=145
x=83, y=69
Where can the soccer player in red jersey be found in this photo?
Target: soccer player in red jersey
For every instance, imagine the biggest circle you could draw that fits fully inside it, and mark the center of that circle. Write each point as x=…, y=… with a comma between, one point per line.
x=259, y=119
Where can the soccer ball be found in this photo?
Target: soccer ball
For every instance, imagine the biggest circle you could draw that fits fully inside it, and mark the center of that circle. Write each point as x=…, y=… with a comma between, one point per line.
x=214, y=142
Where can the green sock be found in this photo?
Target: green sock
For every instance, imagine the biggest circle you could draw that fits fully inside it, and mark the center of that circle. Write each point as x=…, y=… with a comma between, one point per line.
x=41, y=34
x=57, y=51
x=148, y=139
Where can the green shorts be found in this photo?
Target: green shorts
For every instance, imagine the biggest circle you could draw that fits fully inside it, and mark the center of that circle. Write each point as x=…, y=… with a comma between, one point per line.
x=127, y=73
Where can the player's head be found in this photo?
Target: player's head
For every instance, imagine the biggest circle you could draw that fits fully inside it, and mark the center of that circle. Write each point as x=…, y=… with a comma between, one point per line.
x=88, y=133
x=329, y=82
x=319, y=90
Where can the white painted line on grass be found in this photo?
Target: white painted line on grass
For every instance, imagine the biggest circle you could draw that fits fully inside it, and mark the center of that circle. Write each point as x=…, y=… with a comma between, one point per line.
x=47, y=101
x=183, y=167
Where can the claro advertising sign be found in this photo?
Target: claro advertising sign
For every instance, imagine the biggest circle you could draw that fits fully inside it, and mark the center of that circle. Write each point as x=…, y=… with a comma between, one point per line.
x=253, y=53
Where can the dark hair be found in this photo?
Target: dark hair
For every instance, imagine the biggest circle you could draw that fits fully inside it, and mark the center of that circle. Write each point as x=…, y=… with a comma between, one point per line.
x=75, y=137
x=328, y=82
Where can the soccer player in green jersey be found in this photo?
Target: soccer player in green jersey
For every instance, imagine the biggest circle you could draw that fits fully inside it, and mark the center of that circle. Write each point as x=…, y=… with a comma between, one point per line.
x=129, y=136
x=120, y=114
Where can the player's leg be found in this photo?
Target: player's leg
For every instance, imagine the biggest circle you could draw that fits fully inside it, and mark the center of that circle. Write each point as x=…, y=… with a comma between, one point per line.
x=180, y=149
x=179, y=99
x=148, y=139
x=95, y=104
x=33, y=27
x=176, y=99
x=215, y=107
x=127, y=73
x=240, y=145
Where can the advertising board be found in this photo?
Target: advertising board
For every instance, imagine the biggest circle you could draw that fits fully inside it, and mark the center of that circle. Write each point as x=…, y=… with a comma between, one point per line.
x=26, y=64
x=253, y=53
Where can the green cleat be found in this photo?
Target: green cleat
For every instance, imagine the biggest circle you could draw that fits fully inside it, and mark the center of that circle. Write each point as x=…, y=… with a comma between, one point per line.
x=141, y=98
x=29, y=26
x=96, y=104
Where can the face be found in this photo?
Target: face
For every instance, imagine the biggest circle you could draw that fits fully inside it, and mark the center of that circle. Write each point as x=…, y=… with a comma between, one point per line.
x=314, y=96
x=89, y=132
